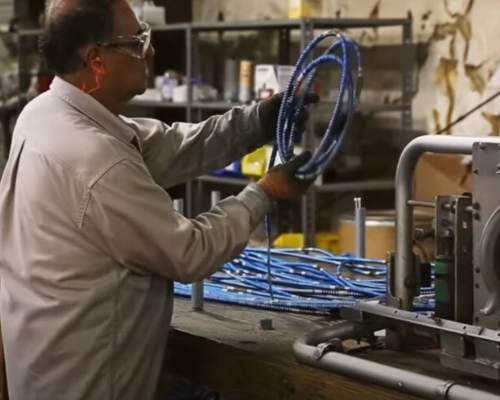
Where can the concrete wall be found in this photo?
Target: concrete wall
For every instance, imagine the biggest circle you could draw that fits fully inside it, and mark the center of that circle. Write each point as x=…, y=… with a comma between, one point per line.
x=458, y=52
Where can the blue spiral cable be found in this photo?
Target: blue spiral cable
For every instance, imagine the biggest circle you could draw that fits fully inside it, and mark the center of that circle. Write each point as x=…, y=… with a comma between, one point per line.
x=343, y=53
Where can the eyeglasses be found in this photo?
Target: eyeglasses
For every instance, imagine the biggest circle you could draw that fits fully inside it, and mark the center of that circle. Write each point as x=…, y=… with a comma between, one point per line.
x=135, y=46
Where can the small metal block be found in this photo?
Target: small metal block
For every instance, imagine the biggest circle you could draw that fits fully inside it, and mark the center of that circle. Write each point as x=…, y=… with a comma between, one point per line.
x=266, y=324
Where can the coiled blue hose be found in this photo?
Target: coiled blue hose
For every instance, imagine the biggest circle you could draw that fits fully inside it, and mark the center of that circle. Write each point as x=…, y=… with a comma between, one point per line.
x=345, y=54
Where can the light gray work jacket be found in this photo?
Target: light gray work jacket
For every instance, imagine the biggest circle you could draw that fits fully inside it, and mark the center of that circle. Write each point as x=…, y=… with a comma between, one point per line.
x=90, y=242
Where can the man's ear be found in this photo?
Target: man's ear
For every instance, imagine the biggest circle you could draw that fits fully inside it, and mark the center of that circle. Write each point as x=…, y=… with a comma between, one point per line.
x=92, y=58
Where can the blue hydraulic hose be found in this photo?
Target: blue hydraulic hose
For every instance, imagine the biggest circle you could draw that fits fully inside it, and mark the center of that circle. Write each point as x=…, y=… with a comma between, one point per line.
x=300, y=286
x=345, y=54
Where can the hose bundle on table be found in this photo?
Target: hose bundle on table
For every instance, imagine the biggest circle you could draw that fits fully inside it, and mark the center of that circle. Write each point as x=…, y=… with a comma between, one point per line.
x=310, y=280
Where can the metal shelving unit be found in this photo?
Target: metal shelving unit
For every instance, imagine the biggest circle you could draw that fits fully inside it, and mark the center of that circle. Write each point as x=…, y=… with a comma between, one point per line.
x=306, y=28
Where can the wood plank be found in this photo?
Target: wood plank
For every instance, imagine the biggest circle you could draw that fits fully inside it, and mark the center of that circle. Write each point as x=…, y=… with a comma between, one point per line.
x=241, y=375
x=225, y=348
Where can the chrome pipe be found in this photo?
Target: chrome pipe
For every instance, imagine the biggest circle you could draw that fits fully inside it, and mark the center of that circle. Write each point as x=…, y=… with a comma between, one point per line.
x=360, y=223
x=197, y=288
x=307, y=352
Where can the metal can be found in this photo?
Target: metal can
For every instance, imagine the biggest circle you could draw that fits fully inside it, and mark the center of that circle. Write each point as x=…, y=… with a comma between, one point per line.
x=246, y=73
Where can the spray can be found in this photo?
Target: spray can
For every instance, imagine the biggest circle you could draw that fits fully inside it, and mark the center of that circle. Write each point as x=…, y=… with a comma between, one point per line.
x=246, y=73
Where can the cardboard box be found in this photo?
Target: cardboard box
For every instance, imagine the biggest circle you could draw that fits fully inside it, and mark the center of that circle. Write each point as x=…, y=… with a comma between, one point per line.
x=441, y=174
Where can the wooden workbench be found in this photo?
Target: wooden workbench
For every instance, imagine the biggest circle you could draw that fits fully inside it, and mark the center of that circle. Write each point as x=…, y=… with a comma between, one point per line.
x=224, y=347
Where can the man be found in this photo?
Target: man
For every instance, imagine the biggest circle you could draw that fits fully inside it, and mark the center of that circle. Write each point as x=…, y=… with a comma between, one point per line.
x=90, y=242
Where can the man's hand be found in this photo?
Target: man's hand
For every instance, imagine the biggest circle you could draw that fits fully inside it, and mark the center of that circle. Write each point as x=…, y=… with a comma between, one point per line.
x=280, y=182
x=270, y=108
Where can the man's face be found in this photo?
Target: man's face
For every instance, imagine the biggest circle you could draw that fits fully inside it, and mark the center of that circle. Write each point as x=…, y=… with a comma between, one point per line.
x=126, y=75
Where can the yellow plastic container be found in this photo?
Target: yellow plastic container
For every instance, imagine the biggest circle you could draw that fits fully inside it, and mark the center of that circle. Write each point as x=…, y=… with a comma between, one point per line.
x=255, y=164
x=304, y=8
x=328, y=241
x=294, y=240
x=324, y=240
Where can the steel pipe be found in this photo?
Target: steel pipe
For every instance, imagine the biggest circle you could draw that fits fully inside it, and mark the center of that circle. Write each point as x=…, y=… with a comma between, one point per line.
x=423, y=204
x=405, y=276
x=198, y=288
x=360, y=222
x=307, y=352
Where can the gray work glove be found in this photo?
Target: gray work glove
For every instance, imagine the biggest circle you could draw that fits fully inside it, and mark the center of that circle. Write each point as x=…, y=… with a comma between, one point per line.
x=280, y=182
x=270, y=108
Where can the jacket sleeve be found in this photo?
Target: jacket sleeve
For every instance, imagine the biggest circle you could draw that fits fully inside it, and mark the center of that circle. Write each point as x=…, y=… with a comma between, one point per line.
x=132, y=219
x=182, y=151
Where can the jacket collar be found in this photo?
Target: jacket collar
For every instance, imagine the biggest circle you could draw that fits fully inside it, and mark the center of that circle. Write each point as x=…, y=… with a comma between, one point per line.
x=94, y=110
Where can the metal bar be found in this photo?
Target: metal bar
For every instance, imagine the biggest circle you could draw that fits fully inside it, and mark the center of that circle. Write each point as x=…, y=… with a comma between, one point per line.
x=375, y=184
x=189, y=208
x=295, y=24
x=427, y=321
x=197, y=288
x=170, y=27
x=223, y=180
x=203, y=105
x=197, y=293
x=423, y=204
x=357, y=22
x=309, y=199
x=405, y=276
x=464, y=295
x=267, y=24
x=189, y=74
x=360, y=223
x=408, y=63
x=225, y=105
